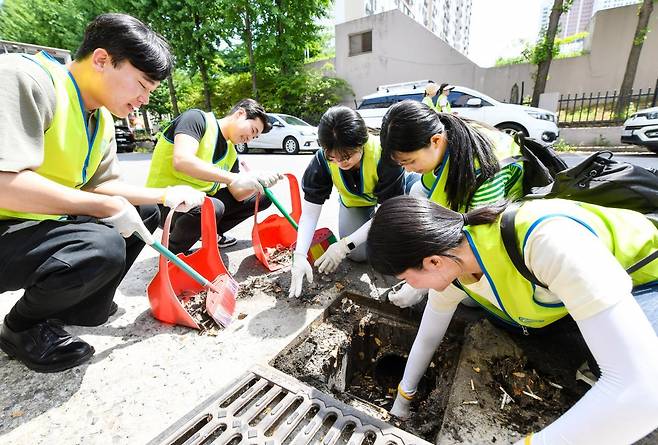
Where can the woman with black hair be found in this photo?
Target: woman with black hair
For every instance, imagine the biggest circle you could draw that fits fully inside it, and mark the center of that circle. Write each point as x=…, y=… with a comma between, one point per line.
x=351, y=161
x=581, y=254
x=464, y=164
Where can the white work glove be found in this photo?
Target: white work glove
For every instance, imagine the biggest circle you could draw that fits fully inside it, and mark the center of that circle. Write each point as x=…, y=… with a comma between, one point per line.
x=401, y=406
x=406, y=296
x=336, y=253
x=268, y=179
x=300, y=267
x=128, y=221
x=248, y=181
x=184, y=196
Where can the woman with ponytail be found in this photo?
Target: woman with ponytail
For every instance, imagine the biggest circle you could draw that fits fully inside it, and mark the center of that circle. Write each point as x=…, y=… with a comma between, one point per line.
x=463, y=164
x=599, y=265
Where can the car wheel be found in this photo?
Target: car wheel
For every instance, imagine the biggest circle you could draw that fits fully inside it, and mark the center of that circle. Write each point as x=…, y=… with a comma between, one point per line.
x=290, y=145
x=241, y=148
x=512, y=129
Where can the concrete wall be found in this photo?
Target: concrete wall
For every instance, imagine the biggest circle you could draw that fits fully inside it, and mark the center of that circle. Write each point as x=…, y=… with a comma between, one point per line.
x=403, y=50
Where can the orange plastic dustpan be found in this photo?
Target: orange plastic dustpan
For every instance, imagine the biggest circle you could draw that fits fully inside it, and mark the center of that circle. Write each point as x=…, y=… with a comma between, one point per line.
x=275, y=231
x=172, y=283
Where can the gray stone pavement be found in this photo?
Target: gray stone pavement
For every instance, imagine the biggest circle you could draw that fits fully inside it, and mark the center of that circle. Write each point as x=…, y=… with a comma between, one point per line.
x=145, y=375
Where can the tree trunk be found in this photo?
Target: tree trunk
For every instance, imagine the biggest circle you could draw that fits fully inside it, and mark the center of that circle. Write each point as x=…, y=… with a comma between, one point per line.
x=203, y=70
x=633, y=58
x=283, y=67
x=544, y=66
x=248, y=38
x=147, y=124
x=172, y=95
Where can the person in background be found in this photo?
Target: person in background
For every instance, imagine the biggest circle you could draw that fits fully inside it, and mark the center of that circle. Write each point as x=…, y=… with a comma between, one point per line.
x=442, y=103
x=430, y=91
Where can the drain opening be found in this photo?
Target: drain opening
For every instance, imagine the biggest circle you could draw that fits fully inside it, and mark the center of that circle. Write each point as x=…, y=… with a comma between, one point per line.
x=248, y=402
x=283, y=417
x=215, y=434
x=310, y=414
x=238, y=392
x=324, y=429
x=369, y=439
x=268, y=409
x=235, y=440
x=346, y=434
x=180, y=440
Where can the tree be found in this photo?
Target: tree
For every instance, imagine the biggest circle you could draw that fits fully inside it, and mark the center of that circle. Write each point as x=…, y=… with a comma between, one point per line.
x=544, y=51
x=641, y=31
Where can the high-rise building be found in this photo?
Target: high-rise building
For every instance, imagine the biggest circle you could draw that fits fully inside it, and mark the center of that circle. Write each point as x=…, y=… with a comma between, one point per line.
x=577, y=18
x=448, y=19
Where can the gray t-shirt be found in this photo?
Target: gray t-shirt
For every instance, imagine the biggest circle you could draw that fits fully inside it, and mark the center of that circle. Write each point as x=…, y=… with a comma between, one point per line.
x=28, y=105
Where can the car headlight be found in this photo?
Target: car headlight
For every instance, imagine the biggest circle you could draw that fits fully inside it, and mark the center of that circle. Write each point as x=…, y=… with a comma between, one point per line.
x=541, y=116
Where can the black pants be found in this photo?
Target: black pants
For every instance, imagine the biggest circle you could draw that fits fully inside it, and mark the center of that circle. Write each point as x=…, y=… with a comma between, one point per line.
x=229, y=212
x=69, y=269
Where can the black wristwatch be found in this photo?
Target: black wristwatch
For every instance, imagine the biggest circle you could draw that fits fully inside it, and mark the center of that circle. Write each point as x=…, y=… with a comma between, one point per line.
x=351, y=245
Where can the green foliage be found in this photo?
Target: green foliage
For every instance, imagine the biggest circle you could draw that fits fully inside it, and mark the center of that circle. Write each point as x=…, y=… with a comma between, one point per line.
x=562, y=146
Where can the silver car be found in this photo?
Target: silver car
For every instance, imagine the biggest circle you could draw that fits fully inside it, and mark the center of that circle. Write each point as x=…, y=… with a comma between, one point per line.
x=288, y=133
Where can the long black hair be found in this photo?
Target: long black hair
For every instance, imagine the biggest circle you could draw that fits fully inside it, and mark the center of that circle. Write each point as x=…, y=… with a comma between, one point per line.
x=407, y=229
x=126, y=38
x=341, y=131
x=409, y=125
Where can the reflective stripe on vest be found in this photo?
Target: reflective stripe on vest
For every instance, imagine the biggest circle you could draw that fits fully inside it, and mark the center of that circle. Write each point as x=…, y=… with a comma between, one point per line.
x=372, y=151
x=504, y=149
x=163, y=173
x=71, y=155
x=628, y=235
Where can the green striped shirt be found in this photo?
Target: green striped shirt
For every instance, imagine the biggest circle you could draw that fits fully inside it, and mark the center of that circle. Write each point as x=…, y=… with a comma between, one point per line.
x=505, y=184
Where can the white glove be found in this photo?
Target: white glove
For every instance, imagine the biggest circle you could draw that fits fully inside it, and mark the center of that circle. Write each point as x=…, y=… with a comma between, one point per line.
x=406, y=296
x=248, y=181
x=128, y=221
x=184, y=196
x=300, y=267
x=401, y=406
x=336, y=253
x=268, y=179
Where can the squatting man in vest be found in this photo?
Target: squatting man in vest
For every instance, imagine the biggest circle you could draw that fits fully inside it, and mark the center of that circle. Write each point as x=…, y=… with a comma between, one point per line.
x=198, y=150
x=69, y=228
x=581, y=254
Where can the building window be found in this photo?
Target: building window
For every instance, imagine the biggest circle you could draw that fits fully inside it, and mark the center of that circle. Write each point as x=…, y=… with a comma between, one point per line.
x=360, y=43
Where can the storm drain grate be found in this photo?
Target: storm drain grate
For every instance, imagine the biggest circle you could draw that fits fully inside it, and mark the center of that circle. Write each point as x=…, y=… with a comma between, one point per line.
x=266, y=406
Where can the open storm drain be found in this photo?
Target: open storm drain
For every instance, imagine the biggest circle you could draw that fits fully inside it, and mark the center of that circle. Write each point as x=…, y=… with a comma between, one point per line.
x=266, y=406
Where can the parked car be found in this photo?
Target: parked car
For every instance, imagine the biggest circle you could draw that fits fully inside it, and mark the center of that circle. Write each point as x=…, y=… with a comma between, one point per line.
x=642, y=129
x=288, y=133
x=125, y=138
x=533, y=122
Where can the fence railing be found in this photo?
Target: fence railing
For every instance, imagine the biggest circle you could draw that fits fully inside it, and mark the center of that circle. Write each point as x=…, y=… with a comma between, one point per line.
x=598, y=110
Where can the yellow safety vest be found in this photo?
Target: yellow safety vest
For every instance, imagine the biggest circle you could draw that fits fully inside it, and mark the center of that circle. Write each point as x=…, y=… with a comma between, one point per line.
x=163, y=173
x=505, y=150
x=629, y=236
x=71, y=155
x=428, y=101
x=372, y=152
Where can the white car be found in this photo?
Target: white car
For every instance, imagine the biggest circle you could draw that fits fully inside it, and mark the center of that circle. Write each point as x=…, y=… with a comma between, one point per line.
x=288, y=133
x=536, y=123
x=642, y=129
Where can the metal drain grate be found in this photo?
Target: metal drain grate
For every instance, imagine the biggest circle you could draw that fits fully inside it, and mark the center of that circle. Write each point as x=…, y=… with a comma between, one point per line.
x=268, y=407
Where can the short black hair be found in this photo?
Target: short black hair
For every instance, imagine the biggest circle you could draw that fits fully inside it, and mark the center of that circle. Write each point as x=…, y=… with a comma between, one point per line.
x=126, y=38
x=342, y=130
x=254, y=110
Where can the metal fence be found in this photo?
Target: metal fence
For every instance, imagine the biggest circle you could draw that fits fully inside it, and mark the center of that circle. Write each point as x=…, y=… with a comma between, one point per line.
x=598, y=110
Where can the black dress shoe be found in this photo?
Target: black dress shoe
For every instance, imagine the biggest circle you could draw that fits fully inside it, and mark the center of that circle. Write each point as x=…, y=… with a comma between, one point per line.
x=45, y=347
